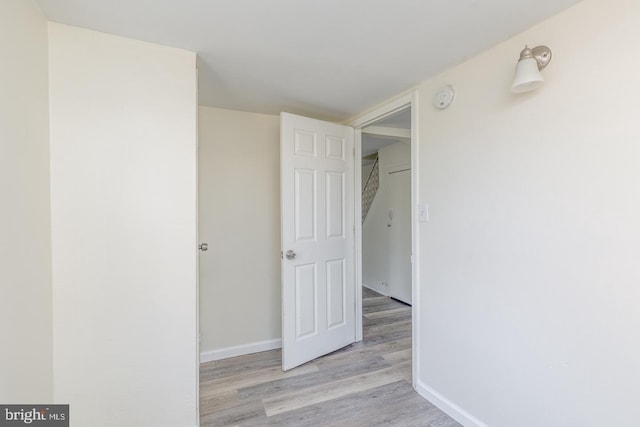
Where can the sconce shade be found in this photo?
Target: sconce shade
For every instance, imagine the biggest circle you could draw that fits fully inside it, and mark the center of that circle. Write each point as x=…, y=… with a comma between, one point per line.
x=531, y=62
x=527, y=76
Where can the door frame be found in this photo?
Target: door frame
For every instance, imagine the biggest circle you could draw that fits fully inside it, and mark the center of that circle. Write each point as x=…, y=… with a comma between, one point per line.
x=410, y=100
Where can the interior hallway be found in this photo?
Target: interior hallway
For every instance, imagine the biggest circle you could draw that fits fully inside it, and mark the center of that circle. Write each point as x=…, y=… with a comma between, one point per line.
x=365, y=384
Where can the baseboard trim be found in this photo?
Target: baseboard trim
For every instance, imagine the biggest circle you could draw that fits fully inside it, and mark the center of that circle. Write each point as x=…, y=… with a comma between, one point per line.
x=382, y=292
x=447, y=406
x=240, y=350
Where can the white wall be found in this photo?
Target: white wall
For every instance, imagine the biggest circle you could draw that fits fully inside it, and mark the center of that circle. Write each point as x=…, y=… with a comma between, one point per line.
x=123, y=191
x=239, y=214
x=376, y=252
x=529, y=264
x=25, y=233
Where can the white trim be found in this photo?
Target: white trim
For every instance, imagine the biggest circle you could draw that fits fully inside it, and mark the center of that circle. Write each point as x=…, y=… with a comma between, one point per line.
x=384, y=111
x=239, y=350
x=393, y=133
x=409, y=99
x=197, y=250
x=357, y=231
x=415, y=241
x=448, y=407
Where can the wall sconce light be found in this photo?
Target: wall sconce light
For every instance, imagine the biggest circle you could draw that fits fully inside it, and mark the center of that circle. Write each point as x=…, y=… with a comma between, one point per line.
x=531, y=62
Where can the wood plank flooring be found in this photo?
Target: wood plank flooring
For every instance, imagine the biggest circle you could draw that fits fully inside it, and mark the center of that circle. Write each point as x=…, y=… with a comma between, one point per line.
x=365, y=384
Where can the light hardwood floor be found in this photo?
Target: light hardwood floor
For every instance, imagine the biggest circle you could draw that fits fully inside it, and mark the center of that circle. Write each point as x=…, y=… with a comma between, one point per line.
x=365, y=384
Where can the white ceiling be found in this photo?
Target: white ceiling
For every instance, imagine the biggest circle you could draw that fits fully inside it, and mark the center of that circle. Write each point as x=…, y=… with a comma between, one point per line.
x=329, y=59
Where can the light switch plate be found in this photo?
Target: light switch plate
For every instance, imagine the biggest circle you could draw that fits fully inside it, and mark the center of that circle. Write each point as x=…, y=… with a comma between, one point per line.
x=423, y=213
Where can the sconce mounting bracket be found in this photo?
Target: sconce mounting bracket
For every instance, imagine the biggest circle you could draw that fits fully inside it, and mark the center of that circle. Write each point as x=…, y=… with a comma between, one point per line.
x=542, y=55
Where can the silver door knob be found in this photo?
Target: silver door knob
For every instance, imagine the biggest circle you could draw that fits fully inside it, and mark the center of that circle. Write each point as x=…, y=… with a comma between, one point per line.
x=290, y=254
x=203, y=247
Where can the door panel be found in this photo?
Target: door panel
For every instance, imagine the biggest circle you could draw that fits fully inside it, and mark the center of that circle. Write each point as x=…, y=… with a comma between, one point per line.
x=317, y=193
x=336, y=291
x=305, y=204
x=306, y=288
x=335, y=205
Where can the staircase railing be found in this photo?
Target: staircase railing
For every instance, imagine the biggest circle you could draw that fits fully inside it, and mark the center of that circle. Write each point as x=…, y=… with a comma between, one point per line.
x=370, y=189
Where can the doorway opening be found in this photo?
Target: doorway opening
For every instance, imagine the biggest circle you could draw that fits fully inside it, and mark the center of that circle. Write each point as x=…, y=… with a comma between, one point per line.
x=386, y=206
x=386, y=227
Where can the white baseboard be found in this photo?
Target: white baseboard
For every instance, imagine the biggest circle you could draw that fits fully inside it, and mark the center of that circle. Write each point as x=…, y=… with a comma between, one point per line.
x=384, y=292
x=240, y=350
x=448, y=407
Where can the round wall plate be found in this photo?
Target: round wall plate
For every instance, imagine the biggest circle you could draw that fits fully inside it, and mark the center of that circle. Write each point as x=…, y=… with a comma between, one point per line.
x=443, y=98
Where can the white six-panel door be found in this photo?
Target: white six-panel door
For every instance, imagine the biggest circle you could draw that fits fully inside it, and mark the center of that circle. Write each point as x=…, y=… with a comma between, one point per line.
x=317, y=194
